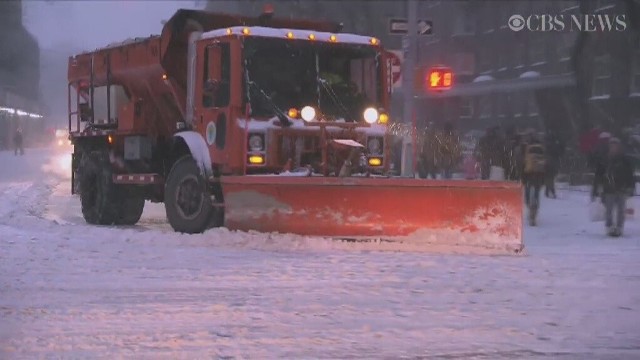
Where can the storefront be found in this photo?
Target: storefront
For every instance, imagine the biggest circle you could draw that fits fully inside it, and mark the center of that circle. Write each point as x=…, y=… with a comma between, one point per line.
x=19, y=113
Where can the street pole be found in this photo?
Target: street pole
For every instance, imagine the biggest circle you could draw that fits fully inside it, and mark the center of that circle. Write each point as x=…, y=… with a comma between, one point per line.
x=409, y=48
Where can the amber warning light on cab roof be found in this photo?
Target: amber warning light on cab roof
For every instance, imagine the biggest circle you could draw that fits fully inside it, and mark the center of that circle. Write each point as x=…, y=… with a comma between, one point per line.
x=439, y=78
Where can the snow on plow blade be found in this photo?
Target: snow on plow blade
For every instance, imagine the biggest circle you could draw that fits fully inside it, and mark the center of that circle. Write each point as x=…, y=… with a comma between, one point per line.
x=423, y=215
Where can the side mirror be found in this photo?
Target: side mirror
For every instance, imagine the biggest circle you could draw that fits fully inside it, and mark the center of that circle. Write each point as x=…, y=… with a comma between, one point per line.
x=137, y=108
x=85, y=112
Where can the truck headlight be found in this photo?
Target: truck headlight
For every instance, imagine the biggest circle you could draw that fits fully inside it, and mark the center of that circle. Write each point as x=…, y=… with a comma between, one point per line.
x=370, y=115
x=374, y=145
x=256, y=142
x=308, y=113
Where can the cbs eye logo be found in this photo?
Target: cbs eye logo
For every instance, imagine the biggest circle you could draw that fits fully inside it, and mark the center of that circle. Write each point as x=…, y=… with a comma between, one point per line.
x=516, y=22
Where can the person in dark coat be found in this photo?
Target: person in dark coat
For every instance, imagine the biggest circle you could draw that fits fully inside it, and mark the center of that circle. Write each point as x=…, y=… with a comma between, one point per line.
x=600, y=150
x=429, y=153
x=17, y=142
x=513, y=156
x=533, y=174
x=489, y=151
x=554, y=151
x=614, y=181
x=449, y=150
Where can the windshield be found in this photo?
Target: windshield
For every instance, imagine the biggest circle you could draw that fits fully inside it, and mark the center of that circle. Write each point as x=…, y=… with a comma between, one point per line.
x=341, y=80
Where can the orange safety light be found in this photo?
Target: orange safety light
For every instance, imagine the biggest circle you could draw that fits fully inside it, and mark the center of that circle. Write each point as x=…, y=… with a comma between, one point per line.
x=439, y=78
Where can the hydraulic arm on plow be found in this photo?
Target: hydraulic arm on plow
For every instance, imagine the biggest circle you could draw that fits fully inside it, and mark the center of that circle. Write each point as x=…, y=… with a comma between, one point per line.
x=261, y=124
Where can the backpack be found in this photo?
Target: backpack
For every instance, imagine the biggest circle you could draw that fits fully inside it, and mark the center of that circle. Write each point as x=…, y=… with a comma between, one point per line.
x=534, y=159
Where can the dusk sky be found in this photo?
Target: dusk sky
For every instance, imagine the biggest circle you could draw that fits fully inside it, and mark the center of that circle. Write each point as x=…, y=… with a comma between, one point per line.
x=92, y=24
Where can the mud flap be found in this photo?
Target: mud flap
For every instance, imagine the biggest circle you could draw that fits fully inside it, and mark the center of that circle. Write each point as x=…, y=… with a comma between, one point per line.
x=420, y=214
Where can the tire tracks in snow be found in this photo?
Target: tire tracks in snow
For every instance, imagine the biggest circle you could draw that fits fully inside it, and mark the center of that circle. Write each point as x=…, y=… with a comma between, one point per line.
x=24, y=204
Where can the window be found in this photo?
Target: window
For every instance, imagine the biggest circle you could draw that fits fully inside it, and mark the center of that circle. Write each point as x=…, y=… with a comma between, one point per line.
x=502, y=60
x=635, y=76
x=565, y=45
x=601, y=76
x=487, y=19
x=466, y=23
x=537, y=52
x=466, y=108
x=484, y=59
x=501, y=106
x=516, y=103
x=504, y=11
x=532, y=105
x=216, y=76
x=464, y=63
x=600, y=5
x=485, y=106
x=103, y=108
x=520, y=58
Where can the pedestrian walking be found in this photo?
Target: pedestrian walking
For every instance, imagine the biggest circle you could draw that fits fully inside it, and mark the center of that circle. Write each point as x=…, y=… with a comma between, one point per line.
x=614, y=182
x=18, y=142
x=533, y=175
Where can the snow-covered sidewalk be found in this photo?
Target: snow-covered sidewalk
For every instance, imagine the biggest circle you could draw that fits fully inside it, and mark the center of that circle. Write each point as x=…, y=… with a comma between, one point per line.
x=68, y=290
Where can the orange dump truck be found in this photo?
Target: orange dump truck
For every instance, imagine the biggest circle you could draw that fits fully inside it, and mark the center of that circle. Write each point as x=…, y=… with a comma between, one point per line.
x=260, y=123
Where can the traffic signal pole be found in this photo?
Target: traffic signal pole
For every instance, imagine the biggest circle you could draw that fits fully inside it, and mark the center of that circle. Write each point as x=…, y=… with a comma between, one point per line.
x=409, y=148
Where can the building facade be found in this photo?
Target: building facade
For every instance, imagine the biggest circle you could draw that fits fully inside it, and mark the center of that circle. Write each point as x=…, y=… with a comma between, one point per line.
x=19, y=75
x=608, y=69
x=565, y=81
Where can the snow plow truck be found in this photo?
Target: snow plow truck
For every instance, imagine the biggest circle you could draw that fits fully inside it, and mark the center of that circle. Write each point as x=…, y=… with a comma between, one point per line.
x=265, y=124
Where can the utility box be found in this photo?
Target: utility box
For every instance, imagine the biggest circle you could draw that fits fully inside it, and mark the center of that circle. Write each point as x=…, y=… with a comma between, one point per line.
x=407, y=158
x=137, y=148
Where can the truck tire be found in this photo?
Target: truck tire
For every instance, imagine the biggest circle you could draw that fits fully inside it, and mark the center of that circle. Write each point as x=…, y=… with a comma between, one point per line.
x=98, y=195
x=131, y=206
x=187, y=199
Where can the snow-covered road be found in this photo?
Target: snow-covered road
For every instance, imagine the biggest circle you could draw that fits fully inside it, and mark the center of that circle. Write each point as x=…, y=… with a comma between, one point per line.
x=68, y=290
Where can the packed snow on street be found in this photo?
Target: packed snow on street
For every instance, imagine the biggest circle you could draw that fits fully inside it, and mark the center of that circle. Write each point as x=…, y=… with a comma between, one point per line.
x=70, y=290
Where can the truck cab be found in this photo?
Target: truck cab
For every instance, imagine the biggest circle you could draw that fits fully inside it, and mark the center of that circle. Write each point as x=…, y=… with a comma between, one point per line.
x=268, y=97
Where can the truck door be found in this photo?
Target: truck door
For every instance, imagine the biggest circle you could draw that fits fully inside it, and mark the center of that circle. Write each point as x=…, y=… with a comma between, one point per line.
x=213, y=97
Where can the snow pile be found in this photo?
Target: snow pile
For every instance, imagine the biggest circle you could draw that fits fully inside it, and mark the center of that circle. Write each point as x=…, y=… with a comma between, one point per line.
x=482, y=78
x=529, y=74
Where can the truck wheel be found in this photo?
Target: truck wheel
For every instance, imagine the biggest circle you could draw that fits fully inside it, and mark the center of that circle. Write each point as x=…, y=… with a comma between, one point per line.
x=98, y=196
x=187, y=198
x=131, y=207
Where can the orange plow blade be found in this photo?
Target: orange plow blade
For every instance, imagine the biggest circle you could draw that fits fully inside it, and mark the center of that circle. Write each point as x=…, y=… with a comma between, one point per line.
x=423, y=214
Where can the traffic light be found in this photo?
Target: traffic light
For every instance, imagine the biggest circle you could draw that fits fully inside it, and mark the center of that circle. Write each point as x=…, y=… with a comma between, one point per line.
x=439, y=78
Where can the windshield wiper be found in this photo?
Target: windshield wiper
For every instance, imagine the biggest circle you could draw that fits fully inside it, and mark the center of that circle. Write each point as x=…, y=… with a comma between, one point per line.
x=277, y=111
x=334, y=97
